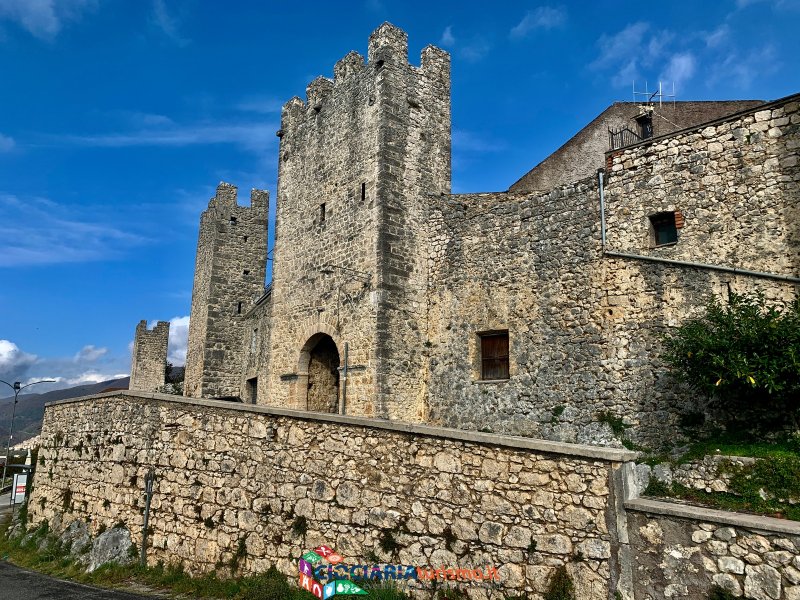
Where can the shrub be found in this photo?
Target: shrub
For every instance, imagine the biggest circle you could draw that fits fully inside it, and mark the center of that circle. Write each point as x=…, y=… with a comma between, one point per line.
x=745, y=356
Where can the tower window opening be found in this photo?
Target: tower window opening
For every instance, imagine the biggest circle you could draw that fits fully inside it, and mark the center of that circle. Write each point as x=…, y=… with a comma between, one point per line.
x=363, y=191
x=322, y=213
x=239, y=308
x=232, y=221
x=664, y=229
x=246, y=271
x=244, y=238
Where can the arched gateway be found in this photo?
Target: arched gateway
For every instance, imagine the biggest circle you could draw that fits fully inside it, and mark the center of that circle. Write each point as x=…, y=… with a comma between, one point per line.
x=319, y=366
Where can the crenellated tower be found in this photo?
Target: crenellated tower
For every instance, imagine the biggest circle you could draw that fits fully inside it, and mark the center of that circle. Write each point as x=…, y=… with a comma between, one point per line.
x=149, y=357
x=358, y=160
x=229, y=276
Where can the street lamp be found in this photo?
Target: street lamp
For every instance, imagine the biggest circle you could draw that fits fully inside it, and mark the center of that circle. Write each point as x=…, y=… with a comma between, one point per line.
x=17, y=389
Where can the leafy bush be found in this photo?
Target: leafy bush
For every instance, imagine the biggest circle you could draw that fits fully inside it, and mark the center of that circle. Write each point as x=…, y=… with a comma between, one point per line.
x=745, y=356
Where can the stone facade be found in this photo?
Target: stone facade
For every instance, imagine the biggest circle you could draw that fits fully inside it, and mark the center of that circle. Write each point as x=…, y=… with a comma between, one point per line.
x=385, y=284
x=229, y=278
x=231, y=477
x=149, y=357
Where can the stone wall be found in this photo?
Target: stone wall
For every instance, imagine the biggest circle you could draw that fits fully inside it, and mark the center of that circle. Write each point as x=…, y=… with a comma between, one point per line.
x=735, y=182
x=585, y=322
x=149, y=357
x=584, y=153
x=682, y=551
x=233, y=481
x=229, y=277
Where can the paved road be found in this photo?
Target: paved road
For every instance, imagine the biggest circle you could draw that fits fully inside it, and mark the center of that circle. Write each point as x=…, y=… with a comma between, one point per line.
x=19, y=584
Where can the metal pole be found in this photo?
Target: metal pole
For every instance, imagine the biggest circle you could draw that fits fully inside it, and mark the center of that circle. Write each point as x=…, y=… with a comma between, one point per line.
x=343, y=399
x=17, y=388
x=148, y=491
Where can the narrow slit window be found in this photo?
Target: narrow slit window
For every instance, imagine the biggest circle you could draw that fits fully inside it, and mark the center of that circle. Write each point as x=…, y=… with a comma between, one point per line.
x=665, y=230
x=494, y=355
x=363, y=191
x=322, y=213
x=239, y=308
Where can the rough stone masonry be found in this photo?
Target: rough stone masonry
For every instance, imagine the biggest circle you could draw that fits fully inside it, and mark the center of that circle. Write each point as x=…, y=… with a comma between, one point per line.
x=388, y=291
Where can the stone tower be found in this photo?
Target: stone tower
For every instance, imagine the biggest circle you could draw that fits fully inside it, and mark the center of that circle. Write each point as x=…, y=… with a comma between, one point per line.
x=229, y=276
x=149, y=357
x=358, y=161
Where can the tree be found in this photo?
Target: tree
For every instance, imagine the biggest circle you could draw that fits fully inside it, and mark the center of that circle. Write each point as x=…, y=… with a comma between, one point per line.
x=745, y=356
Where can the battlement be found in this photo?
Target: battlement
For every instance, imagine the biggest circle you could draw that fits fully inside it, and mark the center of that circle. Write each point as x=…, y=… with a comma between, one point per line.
x=226, y=198
x=352, y=63
x=388, y=45
x=387, y=48
x=160, y=328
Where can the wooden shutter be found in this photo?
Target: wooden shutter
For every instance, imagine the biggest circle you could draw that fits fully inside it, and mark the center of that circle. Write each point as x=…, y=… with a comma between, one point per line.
x=494, y=356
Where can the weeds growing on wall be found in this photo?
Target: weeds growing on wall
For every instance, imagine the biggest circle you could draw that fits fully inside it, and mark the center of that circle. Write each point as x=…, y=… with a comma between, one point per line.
x=561, y=586
x=745, y=356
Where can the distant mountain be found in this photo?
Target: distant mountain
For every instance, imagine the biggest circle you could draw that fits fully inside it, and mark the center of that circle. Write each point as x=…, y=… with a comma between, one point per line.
x=30, y=409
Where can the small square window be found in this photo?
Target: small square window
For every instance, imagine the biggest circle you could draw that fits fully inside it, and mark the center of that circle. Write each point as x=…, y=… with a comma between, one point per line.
x=664, y=228
x=494, y=355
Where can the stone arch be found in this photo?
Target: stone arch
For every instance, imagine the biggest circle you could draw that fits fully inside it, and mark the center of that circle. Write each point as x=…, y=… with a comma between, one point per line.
x=318, y=373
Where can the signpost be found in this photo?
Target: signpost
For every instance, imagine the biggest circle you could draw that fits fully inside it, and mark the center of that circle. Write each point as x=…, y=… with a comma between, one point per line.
x=19, y=487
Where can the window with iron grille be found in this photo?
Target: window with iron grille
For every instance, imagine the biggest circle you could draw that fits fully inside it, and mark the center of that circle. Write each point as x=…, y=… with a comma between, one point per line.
x=494, y=355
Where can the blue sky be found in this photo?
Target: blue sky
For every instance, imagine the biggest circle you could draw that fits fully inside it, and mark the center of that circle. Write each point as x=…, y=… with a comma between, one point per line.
x=119, y=117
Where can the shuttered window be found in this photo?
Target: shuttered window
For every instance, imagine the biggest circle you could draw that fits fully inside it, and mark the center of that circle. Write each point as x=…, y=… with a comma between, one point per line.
x=494, y=355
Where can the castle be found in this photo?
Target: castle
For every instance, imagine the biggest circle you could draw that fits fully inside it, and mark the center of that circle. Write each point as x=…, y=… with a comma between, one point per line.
x=531, y=311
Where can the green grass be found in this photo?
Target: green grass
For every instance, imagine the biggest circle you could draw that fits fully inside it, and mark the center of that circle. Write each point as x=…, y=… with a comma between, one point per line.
x=733, y=445
x=725, y=501
x=54, y=560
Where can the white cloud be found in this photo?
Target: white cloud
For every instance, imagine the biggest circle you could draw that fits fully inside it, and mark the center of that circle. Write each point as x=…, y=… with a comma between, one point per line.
x=6, y=143
x=89, y=353
x=468, y=141
x=743, y=70
x=14, y=362
x=43, y=18
x=178, y=340
x=544, y=17
x=447, y=40
x=39, y=231
x=620, y=47
x=717, y=37
x=252, y=136
x=167, y=23
x=681, y=68
x=637, y=50
x=475, y=50
x=263, y=105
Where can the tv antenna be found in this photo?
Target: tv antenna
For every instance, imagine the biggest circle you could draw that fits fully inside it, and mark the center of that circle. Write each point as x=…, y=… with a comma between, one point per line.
x=649, y=97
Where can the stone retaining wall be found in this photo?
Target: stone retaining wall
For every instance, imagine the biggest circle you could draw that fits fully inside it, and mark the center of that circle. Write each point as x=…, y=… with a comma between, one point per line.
x=254, y=486
x=681, y=551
